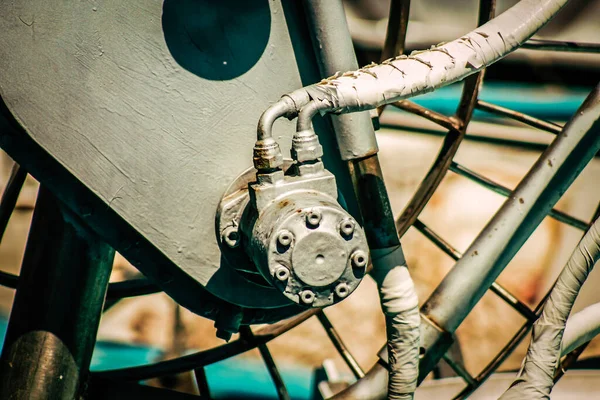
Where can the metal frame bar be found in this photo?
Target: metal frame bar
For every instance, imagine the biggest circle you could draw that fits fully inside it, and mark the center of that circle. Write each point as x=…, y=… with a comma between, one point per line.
x=339, y=345
x=206, y=357
x=557, y=45
x=56, y=311
x=116, y=290
x=395, y=38
x=433, y=116
x=497, y=243
x=202, y=382
x=547, y=126
x=282, y=392
x=506, y=192
x=502, y=355
x=496, y=288
x=10, y=195
x=452, y=140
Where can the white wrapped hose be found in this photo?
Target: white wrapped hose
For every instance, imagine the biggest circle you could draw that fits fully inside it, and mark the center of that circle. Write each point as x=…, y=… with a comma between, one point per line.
x=424, y=71
x=535, y=380
x=401, y=308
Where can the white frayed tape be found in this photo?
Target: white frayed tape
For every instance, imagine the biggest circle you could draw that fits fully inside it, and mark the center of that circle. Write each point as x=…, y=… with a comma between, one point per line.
x=396, y=287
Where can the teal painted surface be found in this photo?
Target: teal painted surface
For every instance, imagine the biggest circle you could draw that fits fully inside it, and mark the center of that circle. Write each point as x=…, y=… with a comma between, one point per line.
x=234, y=378
x=538, y=101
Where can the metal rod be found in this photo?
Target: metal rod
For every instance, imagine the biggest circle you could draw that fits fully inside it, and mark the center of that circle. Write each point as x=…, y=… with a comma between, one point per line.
x=433, y=116
x=392, y=122
x=282, y=392
x=452, y=140
x=497, y=361
x=131, y=288
x=105, y=389
x=506, y=192
x=514, y=222
x=10, y=195
x=116, y=290
x=334, y=50
x=496, y=288
x=206, y=357
x=569, y=361
x=55, y=315
x=504, y=353
x=459, y=368
x=339, y=345
x=202, y=382
x=8, y=280
x=395, y=40
x=518, y=116
x=556, y=45
x=395, y=37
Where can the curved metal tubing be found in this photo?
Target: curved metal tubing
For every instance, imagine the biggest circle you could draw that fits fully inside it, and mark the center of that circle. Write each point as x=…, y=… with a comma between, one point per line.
x=452, y=140
x=206, y=357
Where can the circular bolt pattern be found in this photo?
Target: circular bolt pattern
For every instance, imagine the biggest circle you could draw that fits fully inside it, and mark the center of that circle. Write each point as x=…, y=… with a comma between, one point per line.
x=342, y=290
x=347, y=227
x=231, y=236
x=313, y=218
x=285, y=238
x=282, y=273
x=307, y=297
x=359, y=259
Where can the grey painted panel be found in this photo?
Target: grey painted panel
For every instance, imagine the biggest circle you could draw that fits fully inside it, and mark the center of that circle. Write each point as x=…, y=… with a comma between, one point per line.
x=139, y=107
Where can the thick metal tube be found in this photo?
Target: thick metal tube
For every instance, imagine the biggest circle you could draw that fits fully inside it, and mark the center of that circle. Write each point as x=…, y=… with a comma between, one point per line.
x=374, y=203
x=335, y=52
x=504, y=235
x=57, y=307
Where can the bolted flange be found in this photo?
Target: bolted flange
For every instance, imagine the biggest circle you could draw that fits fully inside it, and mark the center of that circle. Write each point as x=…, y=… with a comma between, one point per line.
x=313, y=218
x=231, y=236
x=359, y=259
x=285, y=238
x=282, y=273
x=316, y=256
x=342, y=290
x=307, y=297
x=347, y=227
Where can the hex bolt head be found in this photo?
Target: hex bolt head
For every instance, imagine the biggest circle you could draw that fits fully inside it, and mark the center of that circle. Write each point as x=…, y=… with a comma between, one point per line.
x=307, y=296
x=284, y=238
x=231, y=236
x=342, y=290
x=347, y=227
x=313, y=218
x=282, y=273
x=359, y=259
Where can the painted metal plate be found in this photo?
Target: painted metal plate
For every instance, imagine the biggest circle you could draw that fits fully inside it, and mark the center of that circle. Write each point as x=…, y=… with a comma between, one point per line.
x=153, y=106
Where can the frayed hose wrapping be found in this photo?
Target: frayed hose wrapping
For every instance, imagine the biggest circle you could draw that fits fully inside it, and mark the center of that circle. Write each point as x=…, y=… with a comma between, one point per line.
x=401, y=308
x=535, y=380
x=424, y=71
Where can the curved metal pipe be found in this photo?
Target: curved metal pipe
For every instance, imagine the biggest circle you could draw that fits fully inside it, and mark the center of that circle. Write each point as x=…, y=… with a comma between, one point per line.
x=421, y=72
x=581, y=328
x=282, y=107
x=535, y=380
x=306, y=115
